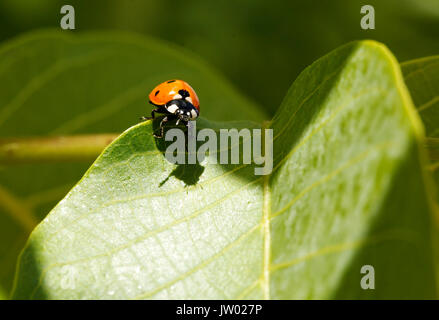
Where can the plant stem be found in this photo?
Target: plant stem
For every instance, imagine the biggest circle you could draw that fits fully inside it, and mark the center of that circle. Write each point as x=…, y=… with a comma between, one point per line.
x=82, y=148
x=53, y=149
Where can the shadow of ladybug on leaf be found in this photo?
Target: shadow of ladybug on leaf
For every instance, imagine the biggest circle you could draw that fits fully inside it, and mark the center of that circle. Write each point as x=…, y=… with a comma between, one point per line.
x=188, y=173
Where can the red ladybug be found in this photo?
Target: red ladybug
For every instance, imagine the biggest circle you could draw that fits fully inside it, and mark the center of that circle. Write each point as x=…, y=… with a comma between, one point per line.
x=177, y=100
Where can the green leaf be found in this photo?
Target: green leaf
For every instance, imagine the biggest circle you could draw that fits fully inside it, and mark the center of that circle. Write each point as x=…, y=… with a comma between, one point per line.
x=422, y=79
x=55, y=83
x=347, y=190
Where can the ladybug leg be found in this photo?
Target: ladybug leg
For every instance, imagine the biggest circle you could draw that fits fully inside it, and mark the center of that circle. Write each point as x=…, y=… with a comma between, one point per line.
x=186, y=123
x=152, y=115
x=165, y=119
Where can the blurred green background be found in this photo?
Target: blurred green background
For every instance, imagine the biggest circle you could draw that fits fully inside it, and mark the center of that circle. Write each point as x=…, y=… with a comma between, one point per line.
x=261, y=46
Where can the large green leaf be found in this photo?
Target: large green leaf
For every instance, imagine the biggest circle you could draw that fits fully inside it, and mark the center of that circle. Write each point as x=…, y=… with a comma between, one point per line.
x=347, y=190
x=57, y=83
x=422, y=79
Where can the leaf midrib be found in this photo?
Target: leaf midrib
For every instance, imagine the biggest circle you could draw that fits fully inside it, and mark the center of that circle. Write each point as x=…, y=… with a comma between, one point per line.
x=267, y=238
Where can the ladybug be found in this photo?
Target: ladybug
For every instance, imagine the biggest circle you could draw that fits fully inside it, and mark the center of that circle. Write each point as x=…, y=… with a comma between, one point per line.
x=177, y=100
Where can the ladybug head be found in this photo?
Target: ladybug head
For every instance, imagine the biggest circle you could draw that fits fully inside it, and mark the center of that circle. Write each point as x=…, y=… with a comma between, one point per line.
x=184, y=115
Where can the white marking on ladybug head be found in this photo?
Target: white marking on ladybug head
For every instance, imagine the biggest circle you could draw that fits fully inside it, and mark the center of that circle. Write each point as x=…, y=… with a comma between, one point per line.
x=183, y=115
x=177, y=96
x=194, y=114
x=172, y=108
x=189, y=99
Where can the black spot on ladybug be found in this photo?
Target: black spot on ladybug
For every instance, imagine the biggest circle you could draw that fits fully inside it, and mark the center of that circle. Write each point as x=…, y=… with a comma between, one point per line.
x=183, y=93
x=156, y=93
x=170, y=81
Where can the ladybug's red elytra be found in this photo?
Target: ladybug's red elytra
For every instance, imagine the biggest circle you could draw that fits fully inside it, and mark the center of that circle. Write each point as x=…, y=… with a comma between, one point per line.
x=177, y=100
